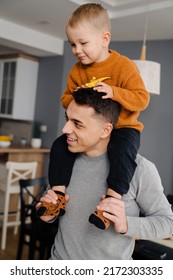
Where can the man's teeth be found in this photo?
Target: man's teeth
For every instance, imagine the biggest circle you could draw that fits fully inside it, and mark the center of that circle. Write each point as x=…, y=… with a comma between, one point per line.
x=71, y=139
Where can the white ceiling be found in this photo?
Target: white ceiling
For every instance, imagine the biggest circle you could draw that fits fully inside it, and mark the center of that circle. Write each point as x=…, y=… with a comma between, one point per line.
x=37, y=26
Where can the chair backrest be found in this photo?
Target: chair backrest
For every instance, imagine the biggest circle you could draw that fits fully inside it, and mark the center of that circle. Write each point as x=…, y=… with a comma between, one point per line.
x=20, y=170
x=30, y=192
x=41, y=235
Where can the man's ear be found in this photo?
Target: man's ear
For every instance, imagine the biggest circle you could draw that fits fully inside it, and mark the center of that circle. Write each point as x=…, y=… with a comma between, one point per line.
x=107, y=129
x=106, y=39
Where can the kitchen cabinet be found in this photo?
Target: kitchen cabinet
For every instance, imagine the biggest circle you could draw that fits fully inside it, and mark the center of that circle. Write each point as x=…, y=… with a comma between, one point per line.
x=18, y=85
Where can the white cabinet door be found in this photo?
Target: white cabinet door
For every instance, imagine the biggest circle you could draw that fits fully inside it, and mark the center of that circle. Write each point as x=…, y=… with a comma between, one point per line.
x=18, y=85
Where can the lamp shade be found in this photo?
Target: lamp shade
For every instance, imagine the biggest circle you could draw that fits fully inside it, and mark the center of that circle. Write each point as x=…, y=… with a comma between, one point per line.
x=150, y=73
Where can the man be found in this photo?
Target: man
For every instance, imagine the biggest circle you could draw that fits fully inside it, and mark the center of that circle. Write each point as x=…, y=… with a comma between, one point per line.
x=89, y=122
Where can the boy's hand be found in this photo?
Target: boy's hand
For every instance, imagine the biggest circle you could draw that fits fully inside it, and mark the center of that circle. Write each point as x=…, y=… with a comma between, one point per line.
x=102, y=87
x=83, y=86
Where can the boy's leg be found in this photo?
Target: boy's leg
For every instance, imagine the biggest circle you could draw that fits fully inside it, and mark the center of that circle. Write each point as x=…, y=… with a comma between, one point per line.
x=122, y=151
x=61, y=163
x=60, y=170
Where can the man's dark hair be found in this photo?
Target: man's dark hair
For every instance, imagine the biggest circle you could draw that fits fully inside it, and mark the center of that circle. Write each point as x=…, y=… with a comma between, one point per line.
x=107, y=108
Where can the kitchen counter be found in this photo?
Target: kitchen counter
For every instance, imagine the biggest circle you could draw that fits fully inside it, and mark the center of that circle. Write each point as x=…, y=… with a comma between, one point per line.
x=23, y=149
x=24, y=154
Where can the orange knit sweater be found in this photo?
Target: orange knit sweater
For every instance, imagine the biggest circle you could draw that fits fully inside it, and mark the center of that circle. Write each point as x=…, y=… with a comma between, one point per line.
x=128, y=87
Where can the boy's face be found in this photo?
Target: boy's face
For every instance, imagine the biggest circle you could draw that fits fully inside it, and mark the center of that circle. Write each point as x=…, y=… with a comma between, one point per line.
x=87, y=43
x=86, y=133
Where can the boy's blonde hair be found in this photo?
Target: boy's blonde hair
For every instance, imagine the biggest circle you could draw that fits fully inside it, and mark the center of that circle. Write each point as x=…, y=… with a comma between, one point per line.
x=93, y=13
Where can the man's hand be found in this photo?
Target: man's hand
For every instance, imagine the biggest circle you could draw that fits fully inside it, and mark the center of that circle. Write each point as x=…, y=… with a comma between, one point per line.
x=49, y=196
x=102, y=87
x=114, y=210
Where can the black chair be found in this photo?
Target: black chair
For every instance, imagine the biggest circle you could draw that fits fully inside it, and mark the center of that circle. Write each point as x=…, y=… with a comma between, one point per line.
x=149, y=250
x=38, y=235
x=170, y=199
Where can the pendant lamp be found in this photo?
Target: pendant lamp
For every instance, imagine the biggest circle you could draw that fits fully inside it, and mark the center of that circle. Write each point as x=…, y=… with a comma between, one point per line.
x=149, y=70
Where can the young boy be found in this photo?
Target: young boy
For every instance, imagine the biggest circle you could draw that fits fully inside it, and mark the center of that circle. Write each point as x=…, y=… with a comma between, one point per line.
x=89, y=32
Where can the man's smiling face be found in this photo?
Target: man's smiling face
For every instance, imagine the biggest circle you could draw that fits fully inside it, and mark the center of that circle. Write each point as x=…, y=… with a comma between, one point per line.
x=85, y=130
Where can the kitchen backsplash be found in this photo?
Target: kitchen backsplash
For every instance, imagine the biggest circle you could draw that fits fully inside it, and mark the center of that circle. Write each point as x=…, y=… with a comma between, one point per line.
x=18, y=129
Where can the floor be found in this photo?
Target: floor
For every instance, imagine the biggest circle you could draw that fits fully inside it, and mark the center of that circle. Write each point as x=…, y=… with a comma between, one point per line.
x=11, y=248
x=12, y=244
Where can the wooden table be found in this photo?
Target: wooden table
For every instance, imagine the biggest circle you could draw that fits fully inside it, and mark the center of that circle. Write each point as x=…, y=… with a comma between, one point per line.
x=166, y=242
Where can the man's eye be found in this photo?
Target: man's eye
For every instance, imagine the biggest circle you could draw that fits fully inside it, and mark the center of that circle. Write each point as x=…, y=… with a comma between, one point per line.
x=66, y=117
x=78, y=125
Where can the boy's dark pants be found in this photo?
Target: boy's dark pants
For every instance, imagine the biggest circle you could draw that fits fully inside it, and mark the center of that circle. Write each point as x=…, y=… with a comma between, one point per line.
x=122, y=150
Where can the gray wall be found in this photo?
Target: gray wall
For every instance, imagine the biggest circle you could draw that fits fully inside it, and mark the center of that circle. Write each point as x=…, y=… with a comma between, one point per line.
x=48, y=96
x=157, y=137
x=69, y=60
x=47, y=101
